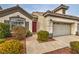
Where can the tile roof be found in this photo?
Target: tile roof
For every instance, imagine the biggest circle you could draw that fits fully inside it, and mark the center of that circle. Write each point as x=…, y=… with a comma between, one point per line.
x=11, y=10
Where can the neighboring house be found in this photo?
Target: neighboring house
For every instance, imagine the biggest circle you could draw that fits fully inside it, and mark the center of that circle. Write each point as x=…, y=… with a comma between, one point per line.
x=16, y=16
x=56, y=22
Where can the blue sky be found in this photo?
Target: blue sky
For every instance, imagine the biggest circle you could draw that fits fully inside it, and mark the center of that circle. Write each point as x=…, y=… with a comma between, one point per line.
x=73, y=8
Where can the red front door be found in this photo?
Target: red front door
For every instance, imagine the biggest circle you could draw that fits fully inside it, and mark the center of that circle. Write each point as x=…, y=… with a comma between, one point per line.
x=34, y=26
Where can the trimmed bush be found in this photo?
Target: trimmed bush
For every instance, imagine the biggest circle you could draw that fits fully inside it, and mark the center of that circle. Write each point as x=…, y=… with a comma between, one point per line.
x=28, y=33
x=2, y=41
x=19, y=32
x=4, y=30
x=11, y=47
x=74, y=46
x=43, y=36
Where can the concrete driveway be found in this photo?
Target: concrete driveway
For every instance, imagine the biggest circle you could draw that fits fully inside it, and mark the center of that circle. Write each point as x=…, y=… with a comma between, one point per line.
x=34, y=47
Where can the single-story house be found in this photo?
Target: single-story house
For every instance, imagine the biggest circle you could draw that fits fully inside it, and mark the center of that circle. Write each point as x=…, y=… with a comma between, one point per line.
x=16, y=16
x=56, y=21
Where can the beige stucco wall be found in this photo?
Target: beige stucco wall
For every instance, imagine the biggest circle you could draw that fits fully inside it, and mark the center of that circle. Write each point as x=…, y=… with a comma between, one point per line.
x=44, y=23
x=59, y=11
x=41, y=23
x=15, y=14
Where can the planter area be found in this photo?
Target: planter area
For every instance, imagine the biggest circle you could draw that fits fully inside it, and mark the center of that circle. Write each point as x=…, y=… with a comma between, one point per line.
x=13, y=41
x=43, y=36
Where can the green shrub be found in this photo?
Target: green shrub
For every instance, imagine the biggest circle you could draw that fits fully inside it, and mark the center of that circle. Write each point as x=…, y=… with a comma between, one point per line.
x=19, y=32
x=43, y=36
x=28, y=33
x=11, y=47
x=74, y=46
x=4, y=30
x=2, y=40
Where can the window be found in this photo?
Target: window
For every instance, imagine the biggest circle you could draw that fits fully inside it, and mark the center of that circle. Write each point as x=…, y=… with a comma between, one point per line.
x=17, y=21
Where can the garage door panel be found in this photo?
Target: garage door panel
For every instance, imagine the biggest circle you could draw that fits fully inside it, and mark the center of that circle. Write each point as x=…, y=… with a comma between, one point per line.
x=60, y=29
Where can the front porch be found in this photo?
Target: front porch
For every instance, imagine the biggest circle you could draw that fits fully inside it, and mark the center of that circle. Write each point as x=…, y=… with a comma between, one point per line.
x=34, y=47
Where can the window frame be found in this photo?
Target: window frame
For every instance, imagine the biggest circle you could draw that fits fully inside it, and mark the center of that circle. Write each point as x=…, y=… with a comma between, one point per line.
x=16, y=20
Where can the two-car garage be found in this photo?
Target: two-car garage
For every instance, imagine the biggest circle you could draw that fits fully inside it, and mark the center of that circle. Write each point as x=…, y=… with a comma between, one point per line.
x=60, y=29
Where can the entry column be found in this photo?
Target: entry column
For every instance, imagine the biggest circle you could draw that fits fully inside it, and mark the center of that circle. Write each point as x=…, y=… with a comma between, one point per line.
x=51, y=28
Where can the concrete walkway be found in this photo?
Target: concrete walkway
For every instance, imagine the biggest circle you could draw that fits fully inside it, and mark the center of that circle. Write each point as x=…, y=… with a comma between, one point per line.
x=34, y=47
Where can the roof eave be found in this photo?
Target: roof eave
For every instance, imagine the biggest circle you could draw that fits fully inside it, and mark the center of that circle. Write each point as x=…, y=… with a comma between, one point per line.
x=15, y=9
x=62, y=17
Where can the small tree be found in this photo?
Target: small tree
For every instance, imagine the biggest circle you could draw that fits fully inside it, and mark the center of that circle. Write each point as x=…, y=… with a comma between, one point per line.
x=19, y=32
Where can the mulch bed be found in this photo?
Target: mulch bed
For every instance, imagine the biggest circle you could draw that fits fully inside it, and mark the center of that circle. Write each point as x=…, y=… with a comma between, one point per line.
x=46, y=41
x=51, y=40
x=65, y=50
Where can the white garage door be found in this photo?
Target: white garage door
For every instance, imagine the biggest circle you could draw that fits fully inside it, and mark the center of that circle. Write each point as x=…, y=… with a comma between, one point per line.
x=60, y=29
